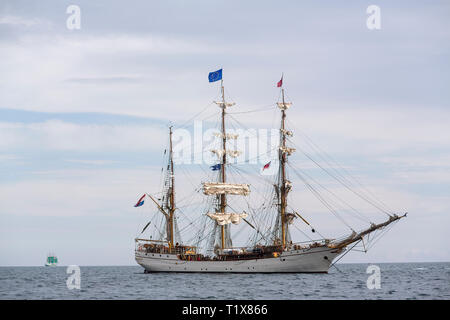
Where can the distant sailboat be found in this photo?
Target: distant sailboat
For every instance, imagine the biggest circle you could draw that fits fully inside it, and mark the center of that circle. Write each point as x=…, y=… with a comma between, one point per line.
x=52, y=260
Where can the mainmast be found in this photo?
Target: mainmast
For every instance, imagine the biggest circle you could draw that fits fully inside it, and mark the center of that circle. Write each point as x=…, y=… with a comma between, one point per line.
x=221, y=188
x=283, y=176
x=223, y=199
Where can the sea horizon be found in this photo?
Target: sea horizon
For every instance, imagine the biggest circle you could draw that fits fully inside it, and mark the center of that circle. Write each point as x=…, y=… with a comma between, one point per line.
x=132, y=265
x=398, y=281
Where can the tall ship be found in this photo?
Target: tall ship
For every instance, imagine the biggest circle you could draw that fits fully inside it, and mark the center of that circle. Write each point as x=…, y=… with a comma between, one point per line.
x=198, y=236
x=51, y=261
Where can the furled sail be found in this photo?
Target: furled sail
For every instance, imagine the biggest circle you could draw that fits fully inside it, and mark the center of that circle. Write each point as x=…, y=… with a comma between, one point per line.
x=287, y=150
x=231, y=153
x=286, y=132
x=284, y=105
x=228, y=135
x=226, y=218
x=290, y=218
x=224, y=104
x=234, y=153
x=226, y=188
x=287, y=186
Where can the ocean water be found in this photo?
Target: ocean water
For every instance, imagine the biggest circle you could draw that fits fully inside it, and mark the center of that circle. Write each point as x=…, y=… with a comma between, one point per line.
x=398, y=281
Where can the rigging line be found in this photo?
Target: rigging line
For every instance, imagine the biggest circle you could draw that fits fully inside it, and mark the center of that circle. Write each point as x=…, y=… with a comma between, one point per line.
x=257, y=157
x=255, y=110
x=311, y=143
x=252, y=216
x=314, y=228
x=256, y=190
x=189, y=196
x=200, y=238
x=246, y=172
x=186, y=217
x=210, y=116
x=303, y=232
x=321, y=199
x=161, y=234
x=382, y=234
x=186, y=227
x=264, y=197
x=340, y=181
x=241, y=124
x=195, y=116
x=321, y=153
x=345, y=253
x=358, y=215
x=255, y=222
x=163, y=165
x=190, y=204
x=186, y=172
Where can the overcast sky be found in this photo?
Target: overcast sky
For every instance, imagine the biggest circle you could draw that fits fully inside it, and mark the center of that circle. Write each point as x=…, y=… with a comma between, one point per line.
x=84, y=113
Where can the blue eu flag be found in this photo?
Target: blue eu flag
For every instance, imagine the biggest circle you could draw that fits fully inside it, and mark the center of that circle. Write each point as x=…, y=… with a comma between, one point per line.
x=215, y=76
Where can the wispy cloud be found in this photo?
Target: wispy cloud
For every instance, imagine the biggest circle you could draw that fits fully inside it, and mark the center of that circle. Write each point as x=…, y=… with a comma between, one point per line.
x=60, y=135
x=376, y=101
x=92, y=162
x=110, y=79
x=22, y=21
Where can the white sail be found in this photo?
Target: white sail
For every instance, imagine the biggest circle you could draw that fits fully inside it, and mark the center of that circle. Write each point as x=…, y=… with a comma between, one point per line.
x=284, y=105
x=290, y=218
x=287, y=132
x=224, y=104
x=231, y=153
x=234, y=153
x=219, y=152
x=287, y=150
x=210, y=188
x=228, y=135
x=226, y=218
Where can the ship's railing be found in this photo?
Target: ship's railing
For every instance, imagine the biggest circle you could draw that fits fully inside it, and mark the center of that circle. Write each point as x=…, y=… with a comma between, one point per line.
x=161, y=246
x=277, y=247
x=309, y=244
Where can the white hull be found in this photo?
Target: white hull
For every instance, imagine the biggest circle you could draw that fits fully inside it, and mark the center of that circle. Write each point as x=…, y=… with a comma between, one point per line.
x=314, y=260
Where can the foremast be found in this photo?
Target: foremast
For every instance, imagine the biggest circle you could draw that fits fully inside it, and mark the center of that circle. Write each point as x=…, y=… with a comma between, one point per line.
x=171, y=227
x=284, y=184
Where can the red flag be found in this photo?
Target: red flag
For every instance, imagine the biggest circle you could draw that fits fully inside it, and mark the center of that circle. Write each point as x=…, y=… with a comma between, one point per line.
x=266, y=166
x=280, y=83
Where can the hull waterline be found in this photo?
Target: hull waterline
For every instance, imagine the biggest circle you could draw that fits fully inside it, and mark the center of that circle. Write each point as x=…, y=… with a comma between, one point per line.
x=315, y=260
